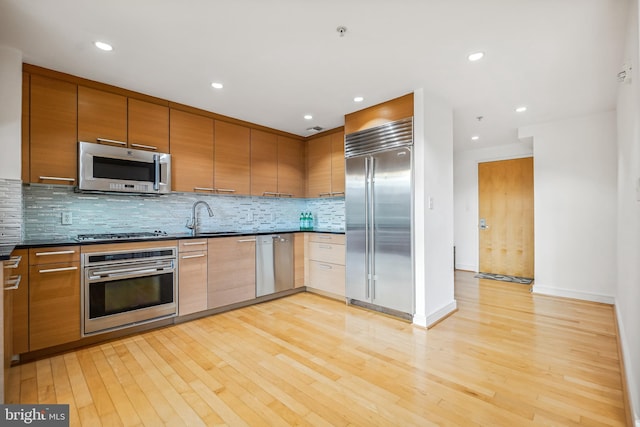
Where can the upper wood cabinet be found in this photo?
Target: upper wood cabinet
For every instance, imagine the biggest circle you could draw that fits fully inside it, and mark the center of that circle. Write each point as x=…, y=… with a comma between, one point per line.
x=377, y=115
x=191, y=152
x=148, y=126
x=264, y=163
x=101, y=115
x=25, y=149
x=232, y=165
x=53, y=122
x=291, y=167
x=325, y=166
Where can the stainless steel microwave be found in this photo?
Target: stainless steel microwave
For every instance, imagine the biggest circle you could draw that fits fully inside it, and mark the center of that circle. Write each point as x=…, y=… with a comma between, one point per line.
x=121, y=169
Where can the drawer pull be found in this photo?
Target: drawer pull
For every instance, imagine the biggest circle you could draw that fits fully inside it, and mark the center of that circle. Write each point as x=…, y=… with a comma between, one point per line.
x=56, y=178
x=111, y=141
x=56, y=270
x=147, y=147
x=192, y=256
x=324, y=237
x=13, y=282
x=193, y=243
x=246, y=240
x=325, y=267
x=325, y=246
x=55, y=253
x=15, y=260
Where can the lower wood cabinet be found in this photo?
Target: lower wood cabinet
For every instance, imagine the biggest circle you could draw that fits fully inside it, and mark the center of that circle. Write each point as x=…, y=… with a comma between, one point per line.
x=231, y=270
x=192, y=276
x=325, y=255
x=19, y=272
x=54, y=296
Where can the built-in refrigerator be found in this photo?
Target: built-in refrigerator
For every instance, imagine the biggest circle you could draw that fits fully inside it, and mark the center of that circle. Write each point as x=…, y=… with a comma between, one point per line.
x=379, y=219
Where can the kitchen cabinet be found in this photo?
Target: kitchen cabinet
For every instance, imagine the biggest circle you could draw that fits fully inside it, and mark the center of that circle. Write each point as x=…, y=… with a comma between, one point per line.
x=298, y=260
x=325, y=166
x=53, y=123
x=54, y=296
x=26, y=106
x=191, y=138
x=18, y=270
x=291, y=167
x=102, y=115
x=232, y=154
x=147, y=126
x=326, y=261
x=231, y=270
x=277, y=165
x=192, y=276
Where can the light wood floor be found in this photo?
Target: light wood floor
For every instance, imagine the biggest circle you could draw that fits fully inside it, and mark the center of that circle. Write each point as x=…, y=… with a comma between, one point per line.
x=506, y=358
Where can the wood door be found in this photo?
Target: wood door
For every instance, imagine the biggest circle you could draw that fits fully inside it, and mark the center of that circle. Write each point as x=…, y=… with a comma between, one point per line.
x=101, y=115
x=337, y=164
x=191, y=139
x=148, y=126
x=53, y=121
x=232, y=170
x=264, y=163
x=291, y=167
x=506, y=206
x=232, y=270
x=319, y=167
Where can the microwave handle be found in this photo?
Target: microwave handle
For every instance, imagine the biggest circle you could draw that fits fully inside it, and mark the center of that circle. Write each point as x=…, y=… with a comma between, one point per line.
x=156, y=180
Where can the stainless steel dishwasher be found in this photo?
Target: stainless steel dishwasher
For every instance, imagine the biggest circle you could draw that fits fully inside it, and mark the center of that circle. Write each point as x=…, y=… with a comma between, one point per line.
x=274, y=263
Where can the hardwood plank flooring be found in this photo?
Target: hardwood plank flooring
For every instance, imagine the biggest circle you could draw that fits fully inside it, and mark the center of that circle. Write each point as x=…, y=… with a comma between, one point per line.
x=505, y=358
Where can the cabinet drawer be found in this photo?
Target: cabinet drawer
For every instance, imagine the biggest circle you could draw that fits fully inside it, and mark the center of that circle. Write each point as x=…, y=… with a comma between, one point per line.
x=54, y=255
x=191, y=245
x=327, y=238
x=327, y=277
x=326, y=252
x=20, y=316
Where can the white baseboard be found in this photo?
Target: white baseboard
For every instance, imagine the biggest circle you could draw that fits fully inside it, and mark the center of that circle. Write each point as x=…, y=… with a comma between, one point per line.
x=569, y=293
x=467, y=267
x=628, y=368
x=435, y=317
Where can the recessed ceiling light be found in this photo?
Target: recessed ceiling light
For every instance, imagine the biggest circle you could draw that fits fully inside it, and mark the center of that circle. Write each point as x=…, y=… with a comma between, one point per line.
x=308, y=116
x=475, y=138
x=475, y=56
x=217, y=85
x=103, y=46
x=358, y=99
x=521, y=109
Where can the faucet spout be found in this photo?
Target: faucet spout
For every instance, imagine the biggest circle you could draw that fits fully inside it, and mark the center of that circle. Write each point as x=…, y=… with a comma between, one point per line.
x=193, y=223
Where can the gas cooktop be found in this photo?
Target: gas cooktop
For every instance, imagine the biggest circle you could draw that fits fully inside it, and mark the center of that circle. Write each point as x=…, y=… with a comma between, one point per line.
x=120, y=236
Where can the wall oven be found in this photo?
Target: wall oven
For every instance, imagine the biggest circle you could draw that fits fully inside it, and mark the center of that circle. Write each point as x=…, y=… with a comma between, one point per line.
x=128, y=287
x=121, y=169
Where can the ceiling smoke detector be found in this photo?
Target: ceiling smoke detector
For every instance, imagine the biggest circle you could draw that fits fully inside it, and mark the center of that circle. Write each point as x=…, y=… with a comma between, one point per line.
x=341, y=30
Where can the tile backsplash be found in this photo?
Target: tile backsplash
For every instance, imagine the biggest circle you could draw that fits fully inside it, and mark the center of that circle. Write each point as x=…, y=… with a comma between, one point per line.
x=44, y=205
x=10, y=210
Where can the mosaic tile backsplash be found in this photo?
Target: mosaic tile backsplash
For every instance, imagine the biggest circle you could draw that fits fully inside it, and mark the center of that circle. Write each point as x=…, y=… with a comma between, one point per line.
x=10, y=210
x=43, y=206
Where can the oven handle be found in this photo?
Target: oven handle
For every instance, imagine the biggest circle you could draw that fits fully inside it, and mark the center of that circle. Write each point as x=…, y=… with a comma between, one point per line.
x=126, y=271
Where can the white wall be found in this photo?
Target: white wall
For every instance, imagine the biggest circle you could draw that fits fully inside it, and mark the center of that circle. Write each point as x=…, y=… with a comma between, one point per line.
x=465, y=203
x=433, y=157
x=628, y=288
x=10, y=112
x=575, y=169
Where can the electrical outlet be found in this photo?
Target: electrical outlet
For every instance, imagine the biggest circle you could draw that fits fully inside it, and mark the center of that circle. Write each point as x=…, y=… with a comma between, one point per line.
x=67, y=218
x=250, y=216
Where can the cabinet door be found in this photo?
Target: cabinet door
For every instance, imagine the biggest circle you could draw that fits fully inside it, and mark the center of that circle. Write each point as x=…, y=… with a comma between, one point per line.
x=101, y=115
x=192, y=282
x=298, y=260
x=26, y=90
x=232, y=166
x=232, y=270
x=291, y=167
x=337, y=164
x=191, y=138
x=319, y=167
x=148, y=126
x=264, y=163
x=54, y=145
x=54, y=304
x=20, y=317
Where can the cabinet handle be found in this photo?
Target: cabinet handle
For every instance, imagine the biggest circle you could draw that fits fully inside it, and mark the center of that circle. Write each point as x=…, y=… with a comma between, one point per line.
x=15, y=260
x=56, y=270
x=325, y=267
x=324, y=237
x=285, y=195
x=147, y=147
x=193, y=243
x=55, y=253
x=111, y=141
x=56, y=178
x=338, y=193
x=270, y=193
x=225, y=190
x=246, y=240
x=325, y=246
x=204, y=189
x=192, y=256
x=13, y=282
x=324, y=194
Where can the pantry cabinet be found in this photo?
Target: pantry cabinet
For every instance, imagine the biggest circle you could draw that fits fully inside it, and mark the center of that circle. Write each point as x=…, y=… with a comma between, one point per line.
x=325, y=166
x=232, y=270
x=191, y=138
x=192, y=276
x=53, y=122
x=232, y=154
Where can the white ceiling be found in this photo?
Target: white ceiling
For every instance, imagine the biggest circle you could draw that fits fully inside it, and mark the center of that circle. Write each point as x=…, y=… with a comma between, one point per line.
x=282, y=59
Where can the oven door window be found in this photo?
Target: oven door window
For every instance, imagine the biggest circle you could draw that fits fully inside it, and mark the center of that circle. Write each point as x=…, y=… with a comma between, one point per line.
x=129, y=170
x=121, y=296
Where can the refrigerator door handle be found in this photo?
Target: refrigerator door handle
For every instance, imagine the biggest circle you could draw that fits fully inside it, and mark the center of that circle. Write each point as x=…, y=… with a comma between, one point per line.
x=372, y=228
x=367, y=182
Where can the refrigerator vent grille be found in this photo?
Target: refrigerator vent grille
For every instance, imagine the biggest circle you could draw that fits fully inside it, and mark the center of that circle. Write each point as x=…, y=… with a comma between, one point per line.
x=390, y=135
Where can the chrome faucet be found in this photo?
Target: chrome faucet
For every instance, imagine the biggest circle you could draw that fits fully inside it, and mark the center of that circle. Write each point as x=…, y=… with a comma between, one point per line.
x=193, y=223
